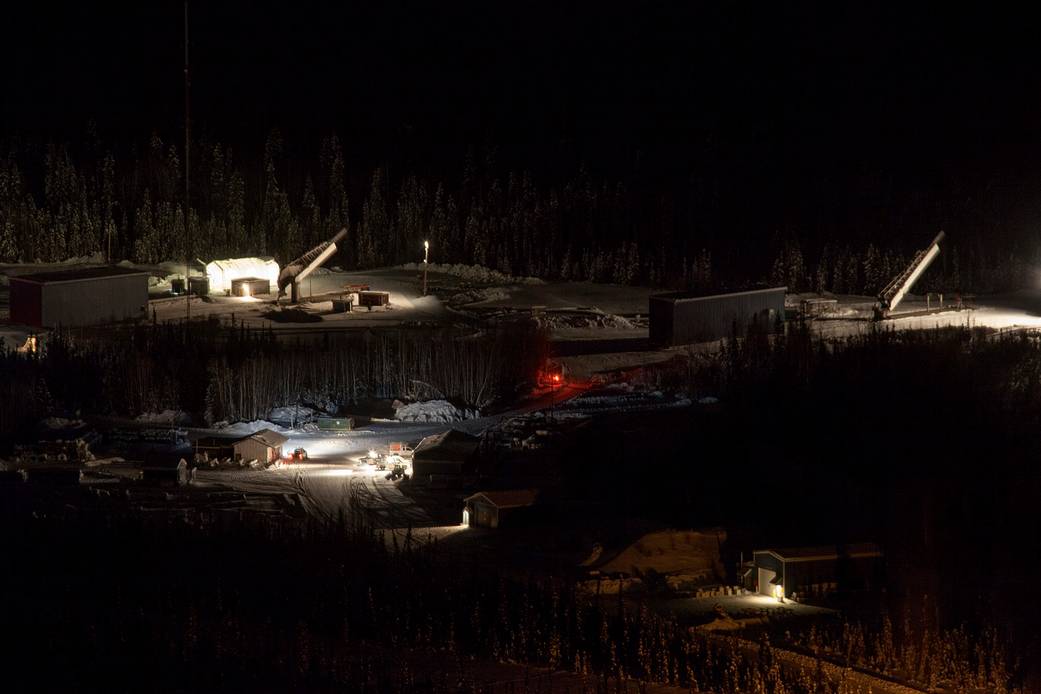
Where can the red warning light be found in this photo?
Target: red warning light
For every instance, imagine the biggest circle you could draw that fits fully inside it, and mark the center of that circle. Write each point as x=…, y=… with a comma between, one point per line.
x=556, y=378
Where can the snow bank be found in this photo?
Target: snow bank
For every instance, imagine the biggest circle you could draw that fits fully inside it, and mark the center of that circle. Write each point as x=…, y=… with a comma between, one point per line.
x=474, y=273
x=244, y=428
x=59, y=423
x=165, y=417
x=476, y=296
x=287, y=415
x=432, y=411
x=584, y=319
x=95, y=259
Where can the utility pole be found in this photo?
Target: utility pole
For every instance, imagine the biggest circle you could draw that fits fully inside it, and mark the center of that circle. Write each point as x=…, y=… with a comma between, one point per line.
x=187, y=204
x=426, y=259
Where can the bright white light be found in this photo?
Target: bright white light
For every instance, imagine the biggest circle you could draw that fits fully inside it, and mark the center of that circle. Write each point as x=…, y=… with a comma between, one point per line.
x=372, y=454
x=779, y=592
x=336, y=472
x=466, y=516
x=222, y=272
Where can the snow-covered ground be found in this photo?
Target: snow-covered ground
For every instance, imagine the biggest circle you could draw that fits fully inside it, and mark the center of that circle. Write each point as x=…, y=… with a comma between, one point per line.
x=471, y=273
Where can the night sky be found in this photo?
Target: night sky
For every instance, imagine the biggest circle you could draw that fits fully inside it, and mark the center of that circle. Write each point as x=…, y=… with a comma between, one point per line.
x=803, y=104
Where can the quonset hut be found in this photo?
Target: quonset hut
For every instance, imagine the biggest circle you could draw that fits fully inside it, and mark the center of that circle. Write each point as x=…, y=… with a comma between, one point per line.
x=683, y=318
x=222, y=273
x=86, y=296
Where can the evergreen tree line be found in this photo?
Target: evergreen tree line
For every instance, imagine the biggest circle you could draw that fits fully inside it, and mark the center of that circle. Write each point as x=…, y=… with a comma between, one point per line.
x=847, y=270
x=58, y=203
x=242, y=374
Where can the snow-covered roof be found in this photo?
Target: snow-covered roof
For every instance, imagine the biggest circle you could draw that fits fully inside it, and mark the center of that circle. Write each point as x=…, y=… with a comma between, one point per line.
x=449, y=444
x=269, y=438
x=512, y=498
x=78, y=274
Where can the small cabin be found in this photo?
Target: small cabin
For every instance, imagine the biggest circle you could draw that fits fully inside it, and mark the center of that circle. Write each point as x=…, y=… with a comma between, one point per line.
x=168, y=471
x=493, y=509
x=264, y=446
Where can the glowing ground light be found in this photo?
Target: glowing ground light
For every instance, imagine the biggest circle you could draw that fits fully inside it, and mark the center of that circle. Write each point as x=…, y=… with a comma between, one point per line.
x=338, y=472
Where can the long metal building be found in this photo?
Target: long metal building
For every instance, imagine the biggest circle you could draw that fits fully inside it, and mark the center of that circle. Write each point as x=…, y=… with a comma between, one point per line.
x=84, y=296
x=683, y=318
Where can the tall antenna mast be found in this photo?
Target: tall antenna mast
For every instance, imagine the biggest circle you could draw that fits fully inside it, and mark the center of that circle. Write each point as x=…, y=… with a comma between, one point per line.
x=187, y=204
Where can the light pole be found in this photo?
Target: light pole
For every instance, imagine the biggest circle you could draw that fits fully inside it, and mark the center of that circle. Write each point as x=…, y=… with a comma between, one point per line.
x=426, y=261
x=187, y=203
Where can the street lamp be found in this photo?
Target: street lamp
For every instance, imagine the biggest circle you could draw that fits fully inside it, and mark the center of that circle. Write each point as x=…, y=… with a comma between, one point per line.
x=426, y=261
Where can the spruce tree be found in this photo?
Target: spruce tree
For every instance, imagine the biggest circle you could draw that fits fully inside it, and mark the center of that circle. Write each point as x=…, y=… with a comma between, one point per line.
x=375, y=224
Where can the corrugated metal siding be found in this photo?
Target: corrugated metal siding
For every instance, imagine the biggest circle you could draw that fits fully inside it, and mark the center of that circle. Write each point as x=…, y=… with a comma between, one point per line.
x=251, y=449
x=89, y=301
x=660, y=314
x=685, y=321
x=486, y=516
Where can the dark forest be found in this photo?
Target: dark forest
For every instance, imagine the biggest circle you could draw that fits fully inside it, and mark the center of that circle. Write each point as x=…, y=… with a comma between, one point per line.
x=684, y=147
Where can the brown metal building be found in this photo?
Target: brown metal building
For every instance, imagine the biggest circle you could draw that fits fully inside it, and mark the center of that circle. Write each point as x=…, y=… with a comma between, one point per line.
x=493, y=509
x=814, y=571
x=86, y=296
x=264, y=446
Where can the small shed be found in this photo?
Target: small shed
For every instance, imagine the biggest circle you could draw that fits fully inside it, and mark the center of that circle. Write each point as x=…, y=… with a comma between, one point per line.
x=370, y=299
x=199, y=286
x=264, y=445
x=335, y=423
x=814, y=571
x=449, y=453
x=85, y=296
x=493, y=509
x=681, y=318
x=167, y=471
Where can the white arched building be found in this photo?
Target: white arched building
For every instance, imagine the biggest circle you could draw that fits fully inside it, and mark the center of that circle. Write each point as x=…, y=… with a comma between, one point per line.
x=222, y=273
